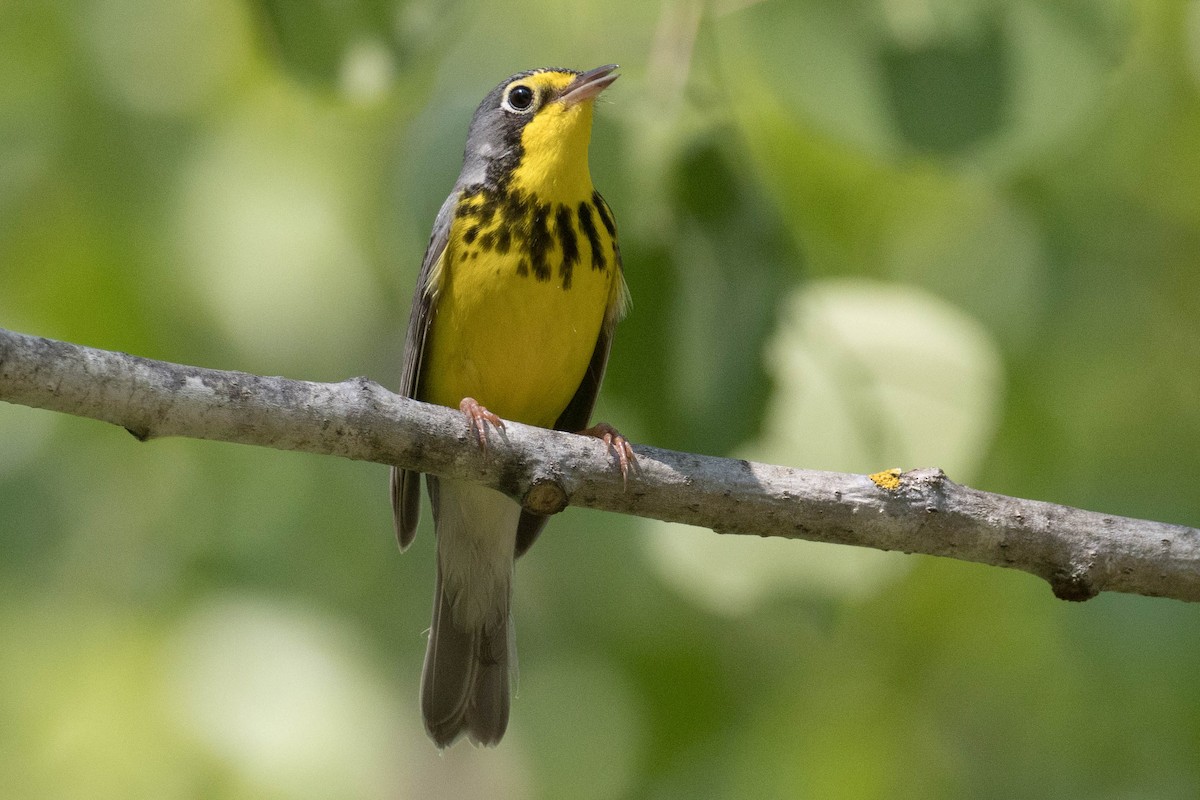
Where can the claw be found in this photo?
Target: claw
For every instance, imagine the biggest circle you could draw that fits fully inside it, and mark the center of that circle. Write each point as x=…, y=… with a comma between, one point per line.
x=616, y=442
x=478, y=417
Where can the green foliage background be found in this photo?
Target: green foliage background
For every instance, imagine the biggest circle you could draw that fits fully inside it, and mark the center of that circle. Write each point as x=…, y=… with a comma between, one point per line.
x=859, y=235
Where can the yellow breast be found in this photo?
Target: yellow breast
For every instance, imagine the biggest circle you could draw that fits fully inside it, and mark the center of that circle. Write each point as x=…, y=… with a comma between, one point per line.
x=524, y=287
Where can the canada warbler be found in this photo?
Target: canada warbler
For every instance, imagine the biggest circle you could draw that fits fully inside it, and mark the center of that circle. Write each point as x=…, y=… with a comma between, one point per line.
x=513, y=316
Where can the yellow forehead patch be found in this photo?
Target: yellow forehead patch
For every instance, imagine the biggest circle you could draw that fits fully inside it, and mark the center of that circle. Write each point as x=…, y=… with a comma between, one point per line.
x=545, y=82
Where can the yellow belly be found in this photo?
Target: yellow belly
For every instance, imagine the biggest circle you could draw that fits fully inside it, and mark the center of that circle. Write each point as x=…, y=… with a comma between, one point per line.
x=518, y=345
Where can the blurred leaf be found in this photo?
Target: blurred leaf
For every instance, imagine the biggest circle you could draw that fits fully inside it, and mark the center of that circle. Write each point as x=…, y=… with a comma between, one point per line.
x=732, y=260
x=886, y=376
x=275, y=694
x=311, y=39
x=948, y=95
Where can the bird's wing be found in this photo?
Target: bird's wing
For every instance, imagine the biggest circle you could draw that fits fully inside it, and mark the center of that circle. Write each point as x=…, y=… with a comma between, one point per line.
x=406, y=484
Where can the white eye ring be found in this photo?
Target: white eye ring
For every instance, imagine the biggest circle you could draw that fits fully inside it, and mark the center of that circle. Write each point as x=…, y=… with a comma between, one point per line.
x=520, y=98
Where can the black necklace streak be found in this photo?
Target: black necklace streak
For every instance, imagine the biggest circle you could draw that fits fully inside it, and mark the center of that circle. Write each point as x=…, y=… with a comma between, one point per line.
x=504, y=220
x=570, y=245
x=539, y=241
x=609, y=225
x=589, y=230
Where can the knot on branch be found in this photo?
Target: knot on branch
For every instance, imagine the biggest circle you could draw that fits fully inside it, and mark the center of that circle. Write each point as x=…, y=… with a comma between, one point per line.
x=1073, y=586
x=141, y=434
x=545, y=497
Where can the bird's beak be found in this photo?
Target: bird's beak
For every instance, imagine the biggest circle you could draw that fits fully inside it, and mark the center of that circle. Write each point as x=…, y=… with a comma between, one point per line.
x=587, y=85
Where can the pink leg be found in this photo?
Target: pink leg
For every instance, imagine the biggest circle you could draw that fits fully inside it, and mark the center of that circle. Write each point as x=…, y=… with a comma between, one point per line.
x=477, y=418
x=618, y=443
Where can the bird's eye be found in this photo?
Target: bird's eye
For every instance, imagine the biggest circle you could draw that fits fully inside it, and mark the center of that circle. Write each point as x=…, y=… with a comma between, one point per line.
x=520, y=98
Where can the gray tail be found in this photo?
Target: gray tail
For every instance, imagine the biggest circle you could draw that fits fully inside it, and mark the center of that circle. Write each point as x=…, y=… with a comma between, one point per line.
x=464, y=685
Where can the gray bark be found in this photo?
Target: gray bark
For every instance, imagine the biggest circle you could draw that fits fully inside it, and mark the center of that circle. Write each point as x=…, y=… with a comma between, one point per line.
x=1080, y=553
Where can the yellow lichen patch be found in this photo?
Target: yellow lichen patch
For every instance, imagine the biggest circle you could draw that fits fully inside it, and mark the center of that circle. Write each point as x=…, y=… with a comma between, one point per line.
x=888, y=480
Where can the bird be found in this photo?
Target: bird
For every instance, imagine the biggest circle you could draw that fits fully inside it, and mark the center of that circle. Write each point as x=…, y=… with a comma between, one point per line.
x=513, y=316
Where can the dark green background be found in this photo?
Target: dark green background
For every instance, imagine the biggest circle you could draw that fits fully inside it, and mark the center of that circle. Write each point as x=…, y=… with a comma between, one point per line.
x=858, y=235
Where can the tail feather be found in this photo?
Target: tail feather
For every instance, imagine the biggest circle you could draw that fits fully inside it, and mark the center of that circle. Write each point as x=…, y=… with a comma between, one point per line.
x=465, y=681
x=464, y=685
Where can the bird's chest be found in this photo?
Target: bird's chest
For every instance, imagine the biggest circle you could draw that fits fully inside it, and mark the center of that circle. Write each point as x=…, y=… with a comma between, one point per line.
x=522, y=297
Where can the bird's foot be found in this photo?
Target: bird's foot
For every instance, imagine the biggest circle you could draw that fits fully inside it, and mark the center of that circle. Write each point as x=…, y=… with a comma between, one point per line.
x=617, y=443
x=478, y=418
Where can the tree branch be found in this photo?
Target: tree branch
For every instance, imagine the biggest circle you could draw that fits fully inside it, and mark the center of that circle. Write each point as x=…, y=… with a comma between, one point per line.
x=1080, y=553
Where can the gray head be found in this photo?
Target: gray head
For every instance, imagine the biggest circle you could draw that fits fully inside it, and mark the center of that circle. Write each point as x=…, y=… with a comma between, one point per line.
x=495, y=143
